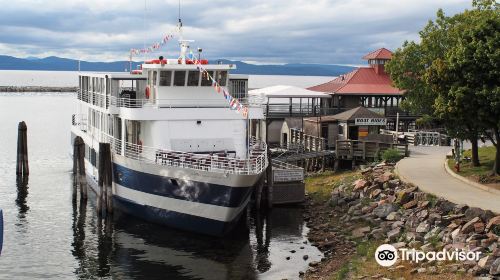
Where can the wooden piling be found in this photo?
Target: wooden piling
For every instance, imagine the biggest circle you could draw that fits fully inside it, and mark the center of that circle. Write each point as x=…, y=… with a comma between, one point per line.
x=104, y=195
x=22, y=168
x=258, y=193
x=270, y=180
x=79, y=167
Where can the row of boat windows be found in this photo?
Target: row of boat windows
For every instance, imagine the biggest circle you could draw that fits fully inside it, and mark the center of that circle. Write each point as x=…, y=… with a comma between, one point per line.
x=180, y=78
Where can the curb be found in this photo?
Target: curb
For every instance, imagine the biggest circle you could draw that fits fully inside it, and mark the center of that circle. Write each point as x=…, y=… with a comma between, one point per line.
x=469, y=182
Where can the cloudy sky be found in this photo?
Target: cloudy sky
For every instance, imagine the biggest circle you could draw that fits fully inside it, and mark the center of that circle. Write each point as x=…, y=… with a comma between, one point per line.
x=277, y=31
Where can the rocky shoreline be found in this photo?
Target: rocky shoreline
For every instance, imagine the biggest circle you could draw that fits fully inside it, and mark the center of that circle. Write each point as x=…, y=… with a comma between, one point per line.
x=380, y=208
x=36, y=89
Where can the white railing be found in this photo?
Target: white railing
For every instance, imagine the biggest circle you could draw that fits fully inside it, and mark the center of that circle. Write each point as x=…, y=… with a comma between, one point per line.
x=105, y=101
x=215, y=162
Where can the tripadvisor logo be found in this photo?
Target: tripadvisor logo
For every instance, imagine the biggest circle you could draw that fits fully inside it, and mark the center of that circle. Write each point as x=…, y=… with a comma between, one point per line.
x=387, y=255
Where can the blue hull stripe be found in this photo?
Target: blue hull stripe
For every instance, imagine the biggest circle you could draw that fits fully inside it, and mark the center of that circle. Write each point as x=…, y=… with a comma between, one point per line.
x=175, y=219
x=200, y=192
x=1, y=231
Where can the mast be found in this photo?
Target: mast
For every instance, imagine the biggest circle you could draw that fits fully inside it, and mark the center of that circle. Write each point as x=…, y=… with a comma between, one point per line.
x=184, y=44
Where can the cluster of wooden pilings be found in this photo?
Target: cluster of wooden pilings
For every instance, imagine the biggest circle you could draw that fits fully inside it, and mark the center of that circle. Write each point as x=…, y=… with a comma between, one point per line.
x=104, y=196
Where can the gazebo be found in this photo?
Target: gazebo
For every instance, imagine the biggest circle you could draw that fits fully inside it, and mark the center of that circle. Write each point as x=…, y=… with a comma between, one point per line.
x=370, y=87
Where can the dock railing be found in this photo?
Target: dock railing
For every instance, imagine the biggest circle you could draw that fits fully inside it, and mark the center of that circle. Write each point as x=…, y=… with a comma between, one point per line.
x=308, y=142
x=358, y=149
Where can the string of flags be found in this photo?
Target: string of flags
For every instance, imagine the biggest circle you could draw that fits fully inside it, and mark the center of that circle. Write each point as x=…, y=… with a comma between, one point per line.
x=153, y=47
x=234, y=103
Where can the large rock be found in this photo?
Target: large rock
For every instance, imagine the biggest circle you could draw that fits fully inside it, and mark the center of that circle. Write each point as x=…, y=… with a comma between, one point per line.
x=486, y=262
x=410, y=205
x=386, y=177
x=495, y=267
x=469, y=226
x=404, y=197
x=393, y=216
x=423, y=227
x=493, y=222
x=445, y=206
x=394, y=234
x=478, y=212
x=382, y=211
x=360, y=184
x=360, y=232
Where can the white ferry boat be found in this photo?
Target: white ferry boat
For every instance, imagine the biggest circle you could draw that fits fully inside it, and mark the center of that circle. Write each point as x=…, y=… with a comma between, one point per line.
x=182, y=155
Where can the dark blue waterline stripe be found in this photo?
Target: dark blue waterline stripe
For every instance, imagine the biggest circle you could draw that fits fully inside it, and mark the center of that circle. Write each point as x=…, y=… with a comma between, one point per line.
x=194, y=191
x=175, y=219
x=1, y=231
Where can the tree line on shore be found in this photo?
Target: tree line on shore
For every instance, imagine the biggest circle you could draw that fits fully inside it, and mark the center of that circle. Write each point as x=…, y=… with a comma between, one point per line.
x=452, y=75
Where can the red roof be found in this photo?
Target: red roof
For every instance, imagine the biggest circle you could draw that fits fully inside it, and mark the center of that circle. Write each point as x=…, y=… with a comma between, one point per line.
x=382, y=53
x=361, y=81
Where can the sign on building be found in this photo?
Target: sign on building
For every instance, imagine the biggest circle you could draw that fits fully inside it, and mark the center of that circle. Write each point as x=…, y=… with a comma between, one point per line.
x=370, y=121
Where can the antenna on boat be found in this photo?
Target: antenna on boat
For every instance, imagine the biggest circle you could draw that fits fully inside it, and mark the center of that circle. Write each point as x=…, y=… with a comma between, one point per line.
x=144, y=28
x=184, y=44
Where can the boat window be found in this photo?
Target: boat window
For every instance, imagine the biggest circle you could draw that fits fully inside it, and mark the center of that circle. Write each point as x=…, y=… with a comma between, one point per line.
x=221, y=77
x=165, y=78
x=155, y=74
x=205, y=78
x=179, y=78
x=193, y=78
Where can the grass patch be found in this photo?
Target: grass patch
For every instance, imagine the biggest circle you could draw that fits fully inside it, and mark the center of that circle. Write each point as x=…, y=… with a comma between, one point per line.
x=319, y=186
x=432, y=199
x=343, y=272
x=481, y=174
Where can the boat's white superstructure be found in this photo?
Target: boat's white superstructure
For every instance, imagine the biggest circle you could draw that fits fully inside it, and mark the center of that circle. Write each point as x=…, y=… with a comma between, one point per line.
x=182, y=154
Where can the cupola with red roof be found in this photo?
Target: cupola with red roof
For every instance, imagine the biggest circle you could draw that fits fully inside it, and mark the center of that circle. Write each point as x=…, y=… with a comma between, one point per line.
x=378, y=58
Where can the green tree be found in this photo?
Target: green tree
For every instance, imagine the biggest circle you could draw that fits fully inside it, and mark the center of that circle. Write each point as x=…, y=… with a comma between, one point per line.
x=422, y=70
x=467, y=78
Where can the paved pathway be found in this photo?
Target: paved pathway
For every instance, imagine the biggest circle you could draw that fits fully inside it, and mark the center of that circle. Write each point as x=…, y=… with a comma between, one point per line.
x=425, y=168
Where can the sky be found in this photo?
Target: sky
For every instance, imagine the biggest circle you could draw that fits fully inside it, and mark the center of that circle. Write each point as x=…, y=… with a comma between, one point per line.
x=258, y=31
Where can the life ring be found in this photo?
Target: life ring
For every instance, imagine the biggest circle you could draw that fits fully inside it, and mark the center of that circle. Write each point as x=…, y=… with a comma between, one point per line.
x=139, y=146
x=147, y=92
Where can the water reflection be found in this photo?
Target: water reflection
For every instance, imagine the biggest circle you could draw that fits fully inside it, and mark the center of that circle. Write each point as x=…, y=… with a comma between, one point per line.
x=263, y=236
x=22, y=195
x=123, y=247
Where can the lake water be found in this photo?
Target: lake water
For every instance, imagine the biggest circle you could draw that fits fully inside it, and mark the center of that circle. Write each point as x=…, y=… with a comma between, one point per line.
x=50, y=236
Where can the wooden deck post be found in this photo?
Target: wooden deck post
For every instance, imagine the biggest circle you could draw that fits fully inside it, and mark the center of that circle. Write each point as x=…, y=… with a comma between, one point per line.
x=22, y=167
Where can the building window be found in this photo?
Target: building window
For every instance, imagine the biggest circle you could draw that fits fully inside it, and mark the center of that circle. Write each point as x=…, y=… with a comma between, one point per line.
x=205, y=78
x=193, y=78
x=179, y=78
x=341, y=129
x=165, y=78
x=221, y=77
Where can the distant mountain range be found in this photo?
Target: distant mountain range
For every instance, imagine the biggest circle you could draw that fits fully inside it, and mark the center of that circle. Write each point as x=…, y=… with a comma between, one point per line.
x=54, y=63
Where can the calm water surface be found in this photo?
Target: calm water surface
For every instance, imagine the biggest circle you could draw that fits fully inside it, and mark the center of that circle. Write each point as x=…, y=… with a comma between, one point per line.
x=50, y=236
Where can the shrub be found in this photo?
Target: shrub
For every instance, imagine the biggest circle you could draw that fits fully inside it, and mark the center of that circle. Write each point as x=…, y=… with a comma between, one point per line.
x=391, y=155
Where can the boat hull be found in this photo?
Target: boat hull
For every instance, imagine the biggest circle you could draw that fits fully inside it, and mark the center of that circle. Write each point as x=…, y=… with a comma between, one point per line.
x=193, y=200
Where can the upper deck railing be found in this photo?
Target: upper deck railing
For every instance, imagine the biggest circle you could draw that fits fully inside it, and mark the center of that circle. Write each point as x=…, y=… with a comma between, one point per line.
x=218, y=162
x=105, y=101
